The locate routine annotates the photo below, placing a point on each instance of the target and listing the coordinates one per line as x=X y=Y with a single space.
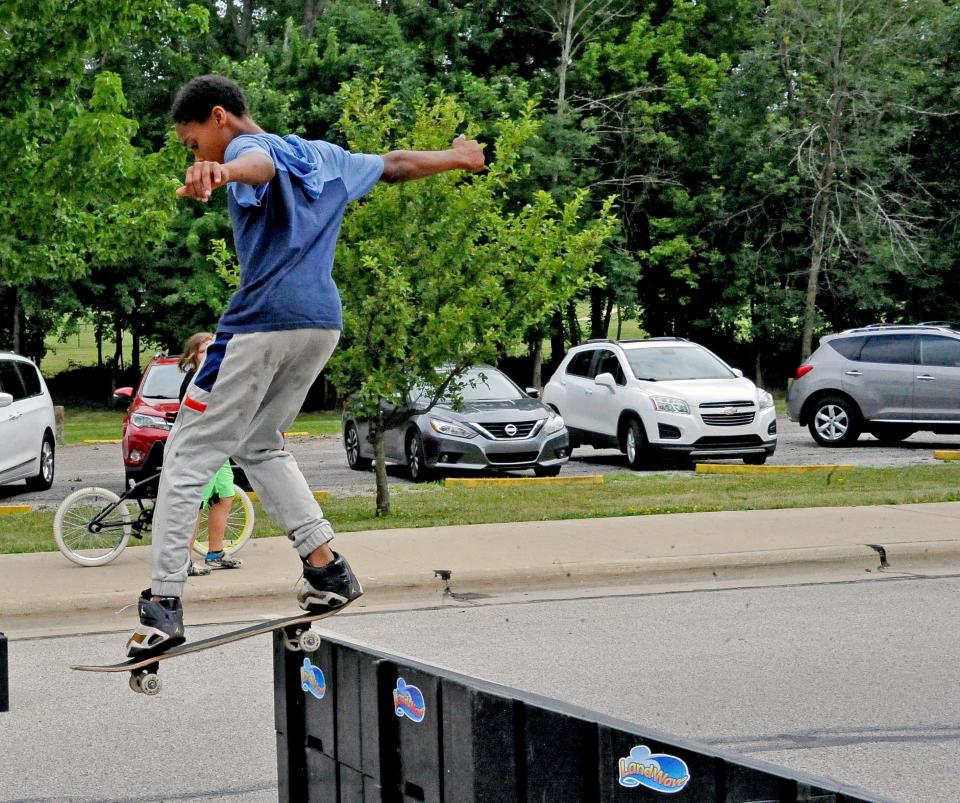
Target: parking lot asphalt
x=324 y=463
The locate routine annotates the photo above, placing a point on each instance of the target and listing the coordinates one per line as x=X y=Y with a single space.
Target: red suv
x=150 y=416
x=149 y=419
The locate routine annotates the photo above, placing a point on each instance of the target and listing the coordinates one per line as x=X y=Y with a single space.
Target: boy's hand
x=202 y=179
x=471 y=152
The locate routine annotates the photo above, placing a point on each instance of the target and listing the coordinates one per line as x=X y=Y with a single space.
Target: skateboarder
x=287 y=198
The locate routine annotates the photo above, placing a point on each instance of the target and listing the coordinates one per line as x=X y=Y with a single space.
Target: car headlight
x=670 y=404
x=446 y=428
x=554 y=424
x=153 y=421
x=766 y=400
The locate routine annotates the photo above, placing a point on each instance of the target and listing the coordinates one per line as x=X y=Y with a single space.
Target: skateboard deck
x=143 y=669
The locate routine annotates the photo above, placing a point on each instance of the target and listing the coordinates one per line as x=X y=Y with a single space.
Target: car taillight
x=803 y=370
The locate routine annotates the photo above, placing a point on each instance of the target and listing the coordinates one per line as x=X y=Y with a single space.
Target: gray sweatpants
x=247 y=392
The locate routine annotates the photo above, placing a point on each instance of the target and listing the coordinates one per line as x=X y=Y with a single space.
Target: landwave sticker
x=312 y=679
x=408 y=701
x=657 y=771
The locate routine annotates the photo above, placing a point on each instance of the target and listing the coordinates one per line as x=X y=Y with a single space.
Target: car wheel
x=351 y=442
x=417 y=459
x=546 y=471
x=835 y=421
x=44 y=478
x=891 y=435
x=755 y=459
x=634 y=444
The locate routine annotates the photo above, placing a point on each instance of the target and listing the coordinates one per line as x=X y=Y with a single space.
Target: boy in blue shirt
x=287 y=197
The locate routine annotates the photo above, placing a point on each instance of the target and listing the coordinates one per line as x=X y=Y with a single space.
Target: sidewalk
x=518 y=556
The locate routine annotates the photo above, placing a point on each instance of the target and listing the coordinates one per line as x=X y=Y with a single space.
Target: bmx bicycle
x=93 y=525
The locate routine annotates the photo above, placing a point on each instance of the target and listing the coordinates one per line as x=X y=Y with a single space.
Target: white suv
x=662 y=397
x=26 y=424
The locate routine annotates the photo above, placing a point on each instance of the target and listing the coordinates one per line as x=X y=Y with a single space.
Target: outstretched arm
x=253 y=167
x=464 y=154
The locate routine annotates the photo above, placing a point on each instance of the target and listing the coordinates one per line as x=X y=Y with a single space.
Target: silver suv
x=888 y=380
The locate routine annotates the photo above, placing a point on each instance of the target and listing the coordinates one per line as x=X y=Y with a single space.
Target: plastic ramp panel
x=657 y=771
x=312 y=680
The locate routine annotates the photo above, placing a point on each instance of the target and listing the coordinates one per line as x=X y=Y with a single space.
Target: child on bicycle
x=217 y=498
x=287 y=197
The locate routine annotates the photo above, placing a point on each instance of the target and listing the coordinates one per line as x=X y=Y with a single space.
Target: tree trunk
x=380 y=469
x=813 y=278
x=99 y=336
x=16 y=321
x=312 y=9
x=536 y=376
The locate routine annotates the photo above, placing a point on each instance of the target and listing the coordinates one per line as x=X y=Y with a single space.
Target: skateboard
x=143 y=669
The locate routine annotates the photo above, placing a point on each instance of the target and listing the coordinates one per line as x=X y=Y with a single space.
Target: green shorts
x=219 y=487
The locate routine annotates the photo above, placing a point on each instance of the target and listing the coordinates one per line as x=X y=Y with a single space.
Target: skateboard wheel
x=135 y=683
x=150 y=684
x=309 y=641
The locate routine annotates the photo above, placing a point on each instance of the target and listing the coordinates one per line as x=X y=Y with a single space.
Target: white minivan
x=26 y=424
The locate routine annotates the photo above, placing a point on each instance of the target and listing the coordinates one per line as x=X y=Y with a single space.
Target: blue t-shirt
x=286 y=232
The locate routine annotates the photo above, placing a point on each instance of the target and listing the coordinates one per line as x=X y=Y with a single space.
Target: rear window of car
x=162 y=381
x=936 y=350
x=849 y=347
x=580 y=364
x=890 y=349
x=10 y=381
x=31 y=378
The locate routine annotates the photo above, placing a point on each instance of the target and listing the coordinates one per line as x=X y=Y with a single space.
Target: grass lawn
x=621 y=494
x=80 y=424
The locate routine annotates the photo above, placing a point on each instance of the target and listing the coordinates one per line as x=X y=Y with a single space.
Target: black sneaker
x=161 y=626
x=328 y=588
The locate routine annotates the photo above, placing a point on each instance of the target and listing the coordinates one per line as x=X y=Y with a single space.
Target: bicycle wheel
x=239 y=525
x=86 y=545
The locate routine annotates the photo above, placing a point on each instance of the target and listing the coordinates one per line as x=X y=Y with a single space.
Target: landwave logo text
x=408 y=701
x=657 y=771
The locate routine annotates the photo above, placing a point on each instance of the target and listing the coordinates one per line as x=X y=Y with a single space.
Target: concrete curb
x=15 y=509
x=718 y=468
x=555 y=574
x=481 y=482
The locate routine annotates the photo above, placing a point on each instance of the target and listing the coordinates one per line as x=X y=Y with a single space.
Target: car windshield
x=663 y=363
x=479 y=384
x=163 y=381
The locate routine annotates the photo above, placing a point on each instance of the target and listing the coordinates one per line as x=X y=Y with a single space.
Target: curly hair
x=197 y=97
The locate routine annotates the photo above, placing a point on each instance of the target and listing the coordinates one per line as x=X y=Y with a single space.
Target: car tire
x=44 y=478
x=417 y=459
x=546 y=471
x=891 y=435
x=835 y=421
x=634 y=444
x=755 y=459
x=351 y=443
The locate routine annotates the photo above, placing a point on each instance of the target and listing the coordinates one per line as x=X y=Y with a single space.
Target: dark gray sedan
x=499 y=427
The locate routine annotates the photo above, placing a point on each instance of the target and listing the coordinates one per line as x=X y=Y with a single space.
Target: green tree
x=437 y=275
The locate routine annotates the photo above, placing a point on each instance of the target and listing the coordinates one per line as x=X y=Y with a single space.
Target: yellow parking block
x=100 y=441
x=15 y=509
x=479 y=482
x=316 y=495
x=720 y=468
x=947 y=454
x=294 y=434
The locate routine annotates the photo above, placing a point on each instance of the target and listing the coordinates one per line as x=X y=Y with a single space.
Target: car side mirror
x=6 y=399
x=122 y=396
x=606 y=380
x=533 y=393
x=737 y=372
